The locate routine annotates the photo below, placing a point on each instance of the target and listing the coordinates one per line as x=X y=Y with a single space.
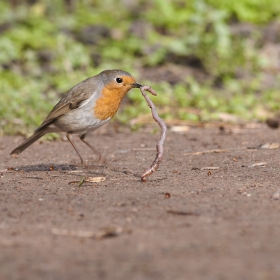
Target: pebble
x=276 y=195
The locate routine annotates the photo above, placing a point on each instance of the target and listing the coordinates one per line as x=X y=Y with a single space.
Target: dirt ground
x=206 y=215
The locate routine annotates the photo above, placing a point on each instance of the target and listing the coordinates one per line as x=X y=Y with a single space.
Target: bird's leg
x=82 y=137
x=69 y=137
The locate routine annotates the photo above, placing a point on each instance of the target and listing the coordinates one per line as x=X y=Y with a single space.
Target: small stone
x=276 y=195
x=167 y=195
x=273 y=123
x=270 y=146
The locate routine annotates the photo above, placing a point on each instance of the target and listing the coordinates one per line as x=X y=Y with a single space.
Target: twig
x=207 y=152
x=162 y=125
x=215 y=151
x=110 y=231
x=215 y=124
x=183 y=213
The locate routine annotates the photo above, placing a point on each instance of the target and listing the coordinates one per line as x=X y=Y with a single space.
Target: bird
x=84 y=108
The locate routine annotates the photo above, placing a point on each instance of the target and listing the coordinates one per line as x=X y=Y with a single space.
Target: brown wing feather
x=72 y=100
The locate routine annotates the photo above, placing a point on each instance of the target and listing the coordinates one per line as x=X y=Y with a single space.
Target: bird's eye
x=119 y=80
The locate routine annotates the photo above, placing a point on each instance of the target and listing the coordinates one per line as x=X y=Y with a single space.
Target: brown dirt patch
x=188 y=221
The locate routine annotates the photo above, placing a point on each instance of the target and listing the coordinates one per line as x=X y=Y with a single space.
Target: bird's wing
x=74 y=98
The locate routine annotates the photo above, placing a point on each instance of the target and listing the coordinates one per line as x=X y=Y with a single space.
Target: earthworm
x=161 y=140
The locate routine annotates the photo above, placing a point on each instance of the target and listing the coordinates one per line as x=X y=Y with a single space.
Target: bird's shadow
x=46 y=167
x=73 y=165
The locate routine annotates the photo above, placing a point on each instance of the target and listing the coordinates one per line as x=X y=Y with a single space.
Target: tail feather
x=28 y=142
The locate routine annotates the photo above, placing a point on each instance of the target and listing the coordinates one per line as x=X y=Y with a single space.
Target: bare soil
x=213 y=215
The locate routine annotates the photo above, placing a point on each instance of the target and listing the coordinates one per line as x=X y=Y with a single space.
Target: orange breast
x=109 y=102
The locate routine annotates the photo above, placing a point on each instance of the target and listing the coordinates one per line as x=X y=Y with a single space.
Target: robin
x=85 y=107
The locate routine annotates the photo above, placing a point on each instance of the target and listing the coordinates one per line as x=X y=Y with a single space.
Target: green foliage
x=254 y=11
x=48 y=47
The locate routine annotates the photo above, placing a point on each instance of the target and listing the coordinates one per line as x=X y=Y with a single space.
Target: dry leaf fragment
x=88 y=180
x=180 y=128
x=257 y=164
x=95 y=179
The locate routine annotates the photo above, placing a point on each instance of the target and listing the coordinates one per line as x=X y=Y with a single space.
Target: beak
x=135 y=85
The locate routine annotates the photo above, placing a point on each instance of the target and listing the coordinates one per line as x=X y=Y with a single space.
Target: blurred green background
x=207 y=59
